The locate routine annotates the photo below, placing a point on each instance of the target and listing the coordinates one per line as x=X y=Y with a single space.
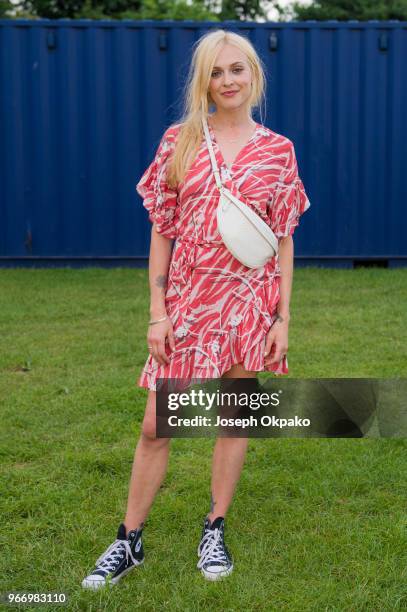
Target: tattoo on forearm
x=279 y=318
x=161 y=281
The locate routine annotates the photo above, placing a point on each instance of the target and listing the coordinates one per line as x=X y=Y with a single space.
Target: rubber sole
x=99 y=584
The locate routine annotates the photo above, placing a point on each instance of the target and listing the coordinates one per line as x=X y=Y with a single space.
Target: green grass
x=317 y=524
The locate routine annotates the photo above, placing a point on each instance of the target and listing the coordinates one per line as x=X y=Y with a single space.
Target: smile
x=229 y=93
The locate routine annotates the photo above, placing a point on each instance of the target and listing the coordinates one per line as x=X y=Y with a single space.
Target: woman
x=211 y=316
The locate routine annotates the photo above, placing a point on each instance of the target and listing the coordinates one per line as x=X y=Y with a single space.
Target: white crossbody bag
x=244 y=233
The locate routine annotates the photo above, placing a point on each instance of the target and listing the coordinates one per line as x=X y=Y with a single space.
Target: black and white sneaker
x=214 y=559
x=123 y=555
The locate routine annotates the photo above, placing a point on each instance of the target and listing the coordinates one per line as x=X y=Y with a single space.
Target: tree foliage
x=342 y=10
x=5 y=6
x=210 y=10
x=198 y=10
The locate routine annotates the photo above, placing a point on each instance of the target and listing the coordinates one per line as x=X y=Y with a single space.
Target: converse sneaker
x=214 y=559
x=123 y=555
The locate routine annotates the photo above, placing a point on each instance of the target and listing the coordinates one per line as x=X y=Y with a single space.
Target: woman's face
x=231 y=72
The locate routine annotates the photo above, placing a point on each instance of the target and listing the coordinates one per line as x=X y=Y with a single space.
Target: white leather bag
x=244 y=233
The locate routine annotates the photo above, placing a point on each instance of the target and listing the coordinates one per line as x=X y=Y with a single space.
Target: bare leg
x=149 y=468
x=228 y=459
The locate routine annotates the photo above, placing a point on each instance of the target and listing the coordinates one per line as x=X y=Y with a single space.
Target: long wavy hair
x=197 y=99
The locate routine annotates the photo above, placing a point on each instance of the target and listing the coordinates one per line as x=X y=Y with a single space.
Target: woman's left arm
x=278 y=334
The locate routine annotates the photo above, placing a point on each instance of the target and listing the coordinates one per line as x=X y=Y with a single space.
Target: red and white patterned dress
x=220 y=309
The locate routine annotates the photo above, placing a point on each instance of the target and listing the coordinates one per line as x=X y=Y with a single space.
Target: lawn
x=317 y=524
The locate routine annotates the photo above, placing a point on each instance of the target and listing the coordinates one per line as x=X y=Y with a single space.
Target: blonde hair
x=197 y=97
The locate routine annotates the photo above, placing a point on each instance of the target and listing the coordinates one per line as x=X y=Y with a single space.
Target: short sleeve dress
x=220 y=309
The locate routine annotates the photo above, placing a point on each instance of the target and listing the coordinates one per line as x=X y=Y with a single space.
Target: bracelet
x=158 y=320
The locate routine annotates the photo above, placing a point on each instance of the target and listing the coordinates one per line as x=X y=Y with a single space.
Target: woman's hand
x=156 y=338
x=277 y=340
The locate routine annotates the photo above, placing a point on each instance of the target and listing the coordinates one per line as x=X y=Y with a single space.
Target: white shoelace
x=108 y=560
x=210 y=548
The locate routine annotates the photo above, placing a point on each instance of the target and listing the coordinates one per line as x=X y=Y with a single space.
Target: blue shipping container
x=83 y=105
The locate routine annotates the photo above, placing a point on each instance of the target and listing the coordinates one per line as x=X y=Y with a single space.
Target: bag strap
x=212 y=154
x=262 y=227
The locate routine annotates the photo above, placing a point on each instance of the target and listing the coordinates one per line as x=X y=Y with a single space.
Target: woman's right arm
x=159 y=261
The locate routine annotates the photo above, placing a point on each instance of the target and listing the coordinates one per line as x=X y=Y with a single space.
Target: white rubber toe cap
x=93 y=582
x=216 y=572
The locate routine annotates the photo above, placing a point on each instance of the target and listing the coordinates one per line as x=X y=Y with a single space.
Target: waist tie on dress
x=186 y=259
x=200 y=241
